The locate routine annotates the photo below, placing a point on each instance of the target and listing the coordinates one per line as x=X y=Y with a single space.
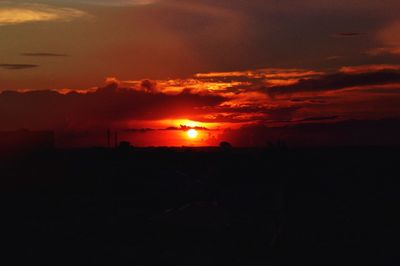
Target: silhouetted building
x=26 y=141
x=124 y=146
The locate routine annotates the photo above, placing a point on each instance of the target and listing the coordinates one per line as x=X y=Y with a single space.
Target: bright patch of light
x=192 y=133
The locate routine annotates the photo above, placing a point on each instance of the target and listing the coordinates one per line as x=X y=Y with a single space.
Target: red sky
x=236 y=70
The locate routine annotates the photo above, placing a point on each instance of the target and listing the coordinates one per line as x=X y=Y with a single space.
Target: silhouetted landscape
x=201 y=206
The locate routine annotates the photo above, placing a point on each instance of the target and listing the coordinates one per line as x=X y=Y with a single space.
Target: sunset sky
x=234 y=70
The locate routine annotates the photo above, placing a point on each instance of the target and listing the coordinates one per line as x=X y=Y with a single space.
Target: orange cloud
x=368 y=68
x=27 y=13
x=273 y=73
x=214 y=101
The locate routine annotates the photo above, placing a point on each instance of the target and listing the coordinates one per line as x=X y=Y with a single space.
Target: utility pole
x=108 y=138
x=116 y=139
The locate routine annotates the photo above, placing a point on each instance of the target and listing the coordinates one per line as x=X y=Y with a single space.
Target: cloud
x=271 y=73
x=347 y=34
x=180 y=128
x=44 y=54
x=283 y=95
x=394 y=50
x=368 y=68
x=389 y=38
x=17 y=66
x=334 y=57
x=106 y=106
x=148 y=85
x=111 y=3
x=317 y=118
x=349 y=77
x=343 y=133
x=139 y=130
x=246 y=114
x=185 y=128
x=28 y=13
x=367 y=91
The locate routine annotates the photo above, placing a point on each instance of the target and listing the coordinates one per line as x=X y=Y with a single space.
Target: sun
x=192 y=133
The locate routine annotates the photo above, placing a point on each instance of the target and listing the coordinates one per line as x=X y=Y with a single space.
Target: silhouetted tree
x=226 y=146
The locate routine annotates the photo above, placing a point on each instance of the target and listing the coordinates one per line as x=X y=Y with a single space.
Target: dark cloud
x=281 y=110
x=17 y=66
x=313 y=100
x=184 y=128
x=44 y=54
x=347 y=34
x=319 y=118
x=139 y=130
x=226 y=114
x=338 y=81
x=181 y=128
x=382 y=90
x=105 y=106
x=344 y=133
x=310 y=119
x=148 y=85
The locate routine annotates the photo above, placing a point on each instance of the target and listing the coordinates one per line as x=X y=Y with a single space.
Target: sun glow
x=192 y=133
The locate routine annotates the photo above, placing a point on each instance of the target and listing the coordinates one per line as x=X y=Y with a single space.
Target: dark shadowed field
x=335 y=206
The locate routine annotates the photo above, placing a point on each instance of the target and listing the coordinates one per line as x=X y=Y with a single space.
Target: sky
x=237 y=70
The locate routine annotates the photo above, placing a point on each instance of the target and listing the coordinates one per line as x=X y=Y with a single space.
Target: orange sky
x=151 y=70
x=160 y=112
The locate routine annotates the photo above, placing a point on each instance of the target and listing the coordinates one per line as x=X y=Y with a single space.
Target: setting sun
x=192 y=133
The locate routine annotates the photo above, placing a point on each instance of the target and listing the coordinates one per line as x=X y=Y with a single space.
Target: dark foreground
x=201 y=207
